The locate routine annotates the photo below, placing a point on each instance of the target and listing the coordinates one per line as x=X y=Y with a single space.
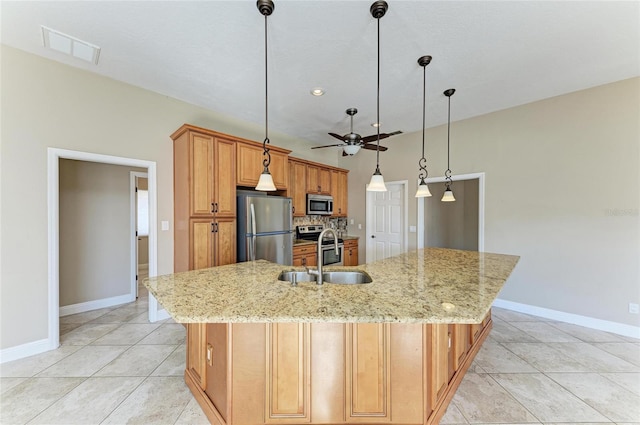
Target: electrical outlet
x=359 y=226
x=634 y=308
x=164 y=224
x=351 y=221
x=412 y=229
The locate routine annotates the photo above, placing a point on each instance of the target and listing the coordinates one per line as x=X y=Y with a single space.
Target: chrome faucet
x=318 y=271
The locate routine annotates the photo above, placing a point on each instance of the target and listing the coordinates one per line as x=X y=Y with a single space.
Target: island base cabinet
x=328 y=373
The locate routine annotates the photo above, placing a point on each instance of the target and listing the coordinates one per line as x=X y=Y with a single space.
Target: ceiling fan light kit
x=448 y=193
x=423 y=189
x=265 y=182
x=378 y=10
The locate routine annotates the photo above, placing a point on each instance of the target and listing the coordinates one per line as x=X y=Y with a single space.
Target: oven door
x=329 y=257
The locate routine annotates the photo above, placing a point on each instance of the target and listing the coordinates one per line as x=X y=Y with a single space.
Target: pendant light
x=265 y=183
x=376 y=184
x=448 y=193
x=423 y=189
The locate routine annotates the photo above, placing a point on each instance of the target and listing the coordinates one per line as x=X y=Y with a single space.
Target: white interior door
x=386 y=222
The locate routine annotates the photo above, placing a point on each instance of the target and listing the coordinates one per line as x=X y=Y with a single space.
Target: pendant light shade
x=448 y=193
x=423 y=189
x=265 y=183
x=448 y=196
x=376 y=184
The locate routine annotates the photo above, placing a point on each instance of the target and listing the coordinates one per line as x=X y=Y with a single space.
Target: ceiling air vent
x=70 y=45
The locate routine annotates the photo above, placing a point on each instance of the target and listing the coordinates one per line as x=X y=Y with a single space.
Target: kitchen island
x=260 y=350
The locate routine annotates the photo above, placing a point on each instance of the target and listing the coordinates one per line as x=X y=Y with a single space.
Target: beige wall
x=47 y=104
x=562 y=191
x=95 y=232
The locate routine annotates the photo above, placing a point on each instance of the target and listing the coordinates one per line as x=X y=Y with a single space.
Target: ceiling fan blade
x=327 y=146
x=373 y=147
x=374 y=137
x=337 y=136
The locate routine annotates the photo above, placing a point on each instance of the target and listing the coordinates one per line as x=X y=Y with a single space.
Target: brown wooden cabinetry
x=318 y=180
x=326 y=373
x=298 y=187
x=204 y=198
x=350 y=257
x=250 y=165
x=305 y=255
x=339 y=189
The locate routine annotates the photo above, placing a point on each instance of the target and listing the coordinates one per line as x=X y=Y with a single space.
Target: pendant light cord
x=266 y=153
x=447 y=173
x=378 y=104
x=423 y=161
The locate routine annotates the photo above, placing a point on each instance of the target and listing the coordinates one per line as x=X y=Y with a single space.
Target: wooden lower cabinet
x=328 y=373
x=305 y=255
x=350 y=252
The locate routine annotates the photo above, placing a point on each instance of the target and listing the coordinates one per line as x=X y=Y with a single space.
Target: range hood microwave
x=319 y=204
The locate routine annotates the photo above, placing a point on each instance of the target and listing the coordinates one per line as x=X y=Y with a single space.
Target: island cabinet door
x=288 y=373
x=437 y=347
x=367 y=390
x=461 y=344
x=196 y=353
x=217 y=367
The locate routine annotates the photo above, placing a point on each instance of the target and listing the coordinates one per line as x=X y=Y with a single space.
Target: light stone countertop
x=409 y=288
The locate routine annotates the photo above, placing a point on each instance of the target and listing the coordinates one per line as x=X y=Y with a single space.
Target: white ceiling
x=210 y=53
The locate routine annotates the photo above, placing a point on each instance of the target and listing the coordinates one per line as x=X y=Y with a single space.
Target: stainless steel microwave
x=319 y=204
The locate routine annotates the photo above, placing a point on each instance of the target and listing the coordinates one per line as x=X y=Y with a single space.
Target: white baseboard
x=95 y=305
x=25 y=350
x=575 y=319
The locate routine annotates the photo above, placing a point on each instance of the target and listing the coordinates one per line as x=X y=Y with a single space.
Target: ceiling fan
x=354 y=141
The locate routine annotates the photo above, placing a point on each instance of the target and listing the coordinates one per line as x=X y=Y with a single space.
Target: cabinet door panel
x=201 y=236
x=288 y=372
x=201 y=174
x=216 y=365
x=196 y=352
x=225 y=178
x=298 y=188
x=437 y=352
x=460 y=344
x=368 y=394
x=225 y=248
x=313 y=182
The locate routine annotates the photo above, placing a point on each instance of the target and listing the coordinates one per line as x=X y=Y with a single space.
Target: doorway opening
x=139 y=201
x=459 y=224
x=54 y=156
x=386 y=218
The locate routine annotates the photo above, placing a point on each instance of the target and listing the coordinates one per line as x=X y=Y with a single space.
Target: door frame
x=133 y=186
x=421 y=207
x=53 y=206
x=368 y=217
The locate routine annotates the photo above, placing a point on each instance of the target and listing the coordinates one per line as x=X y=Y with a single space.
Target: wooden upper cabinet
x=318 y=180
x=224 y=178
x=250 y=166
x=201 y=150
x=298 y=187
x=339 y=188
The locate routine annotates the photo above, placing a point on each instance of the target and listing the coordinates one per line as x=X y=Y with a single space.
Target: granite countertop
x=409 y=288
x=297 y=242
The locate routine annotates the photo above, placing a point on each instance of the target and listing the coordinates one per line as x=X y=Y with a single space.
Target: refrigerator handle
x=253 y=232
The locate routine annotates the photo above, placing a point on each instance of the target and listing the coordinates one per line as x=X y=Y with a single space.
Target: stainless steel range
x=329 y=257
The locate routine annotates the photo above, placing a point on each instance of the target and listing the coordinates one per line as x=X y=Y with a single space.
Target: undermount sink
x=338 y=277
x=287 y=276
x=346 y=277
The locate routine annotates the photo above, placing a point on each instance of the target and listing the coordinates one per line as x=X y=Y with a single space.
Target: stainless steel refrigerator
x=265 y=230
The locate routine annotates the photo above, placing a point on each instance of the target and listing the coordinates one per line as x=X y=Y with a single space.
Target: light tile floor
x=113 y=367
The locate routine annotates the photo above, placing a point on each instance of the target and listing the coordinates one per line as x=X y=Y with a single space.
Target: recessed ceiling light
x=69 y=45
x=317 y=91
x=375 y=124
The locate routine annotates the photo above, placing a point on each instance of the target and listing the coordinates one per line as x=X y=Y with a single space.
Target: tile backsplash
x=339 y=224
